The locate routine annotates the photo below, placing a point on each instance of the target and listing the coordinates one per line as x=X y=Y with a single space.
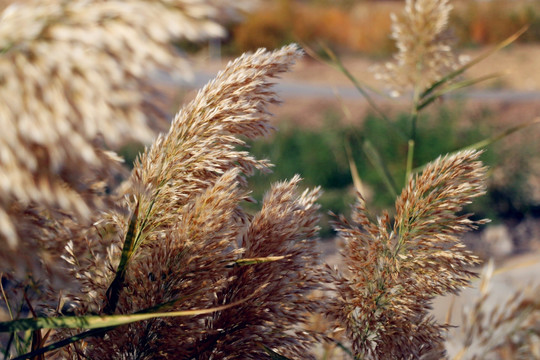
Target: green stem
x=412 y=137
x=410 y=155
x=336 y=62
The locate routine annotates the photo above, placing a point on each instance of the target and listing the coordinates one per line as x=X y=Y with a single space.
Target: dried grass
x=178 y=225
x=186 y=193
x=398 y=266
x=505 y=328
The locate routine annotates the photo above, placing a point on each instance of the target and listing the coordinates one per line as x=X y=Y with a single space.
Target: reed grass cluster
x=191 y=235
x=168 y=263
x=398 y=266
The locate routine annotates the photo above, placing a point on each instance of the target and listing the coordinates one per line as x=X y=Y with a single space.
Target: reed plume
x=398 y=266
x=424 y=47
x=195 y=247
x=75 y=84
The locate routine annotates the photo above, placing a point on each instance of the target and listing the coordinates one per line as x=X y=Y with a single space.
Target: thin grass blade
x=410 y=160
x=37 y=339
x=486 y=142
x=64 y=342
x=253 y=261
x=98 y=325
x=274 y=355
x=502 y=135
x=113 y=292
x=347 y=350
x=473 y=62
x=377 y=161
x=99 y=321
x=336 y=63
x=453 y=87
x=354 y=170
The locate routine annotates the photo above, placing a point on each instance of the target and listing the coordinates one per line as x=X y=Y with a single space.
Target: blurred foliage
x=481 y=23
x=363 y=26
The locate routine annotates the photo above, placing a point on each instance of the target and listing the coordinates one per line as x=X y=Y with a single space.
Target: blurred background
x=322 y=111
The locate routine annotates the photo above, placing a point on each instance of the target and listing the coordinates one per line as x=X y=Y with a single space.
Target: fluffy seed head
x=424 y=47
x=397 y=267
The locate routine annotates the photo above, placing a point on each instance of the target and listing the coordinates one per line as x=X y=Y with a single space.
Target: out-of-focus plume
x=424 y=47
x=76 y=82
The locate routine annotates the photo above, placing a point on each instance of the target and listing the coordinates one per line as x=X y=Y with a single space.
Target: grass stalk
x=101 y=321
x=377 y=161
x=336 y=63
x=113 y=292
x=473 y=62
x=410 y=156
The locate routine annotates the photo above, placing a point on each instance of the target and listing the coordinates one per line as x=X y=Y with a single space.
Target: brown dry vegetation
x=175 y=236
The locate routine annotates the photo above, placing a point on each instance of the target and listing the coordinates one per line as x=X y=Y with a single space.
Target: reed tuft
x=398 y=266
x=424 y=47
x=195 y=247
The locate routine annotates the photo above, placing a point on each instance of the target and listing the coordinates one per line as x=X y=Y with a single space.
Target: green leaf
x=98 y=321
x=410 y=159
x=98 y=324
x=473 y=62
x=113 y=292
x=459 y=85
x=377 y=161
x=62 y=343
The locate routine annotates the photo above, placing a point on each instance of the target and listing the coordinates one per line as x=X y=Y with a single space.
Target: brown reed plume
x=398 y=266
x=195 y=247
x=74 y=85
x=424 y=47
